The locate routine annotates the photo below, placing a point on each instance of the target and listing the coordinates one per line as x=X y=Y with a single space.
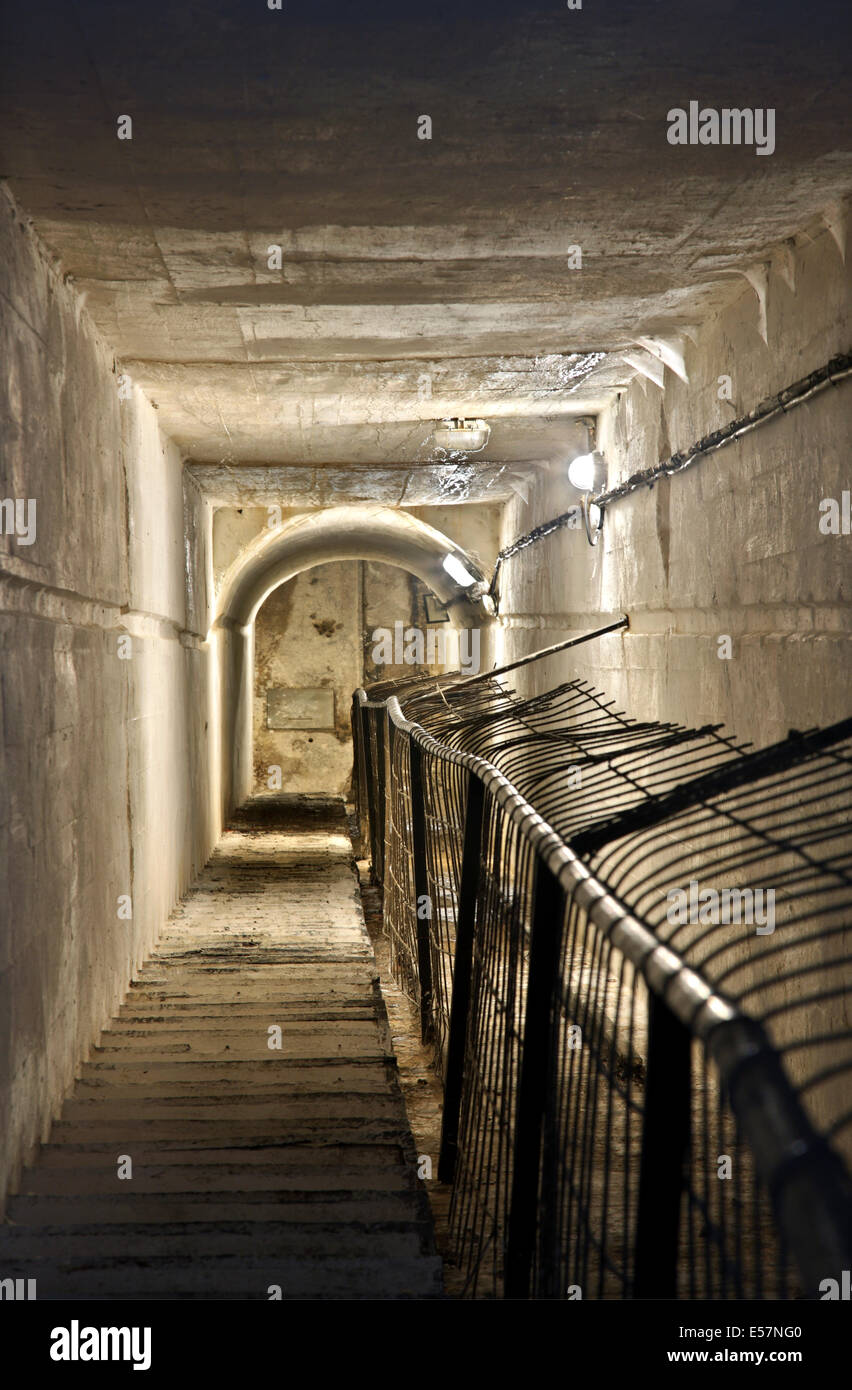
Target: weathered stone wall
x=317 y=631
x=108 y=768
x=731 y=546
x=307 y=635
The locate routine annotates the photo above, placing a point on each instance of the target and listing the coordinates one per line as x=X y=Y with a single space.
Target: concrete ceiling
x=419 y=278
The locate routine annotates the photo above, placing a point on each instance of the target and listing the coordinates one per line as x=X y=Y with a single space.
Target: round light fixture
x=587 y=472
x=460 y=436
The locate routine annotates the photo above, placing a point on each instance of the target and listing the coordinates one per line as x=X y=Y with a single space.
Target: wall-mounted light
x=587 y=472
x=460 y=436
x=456 y=570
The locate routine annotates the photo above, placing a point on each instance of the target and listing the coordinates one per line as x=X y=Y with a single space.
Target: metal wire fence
x=630 y=947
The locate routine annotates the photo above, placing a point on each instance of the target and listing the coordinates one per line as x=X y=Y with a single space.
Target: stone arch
x=344 y=533
x=336 y=533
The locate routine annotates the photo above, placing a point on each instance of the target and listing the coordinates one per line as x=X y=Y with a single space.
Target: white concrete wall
x=108 y=770
x=731 y=546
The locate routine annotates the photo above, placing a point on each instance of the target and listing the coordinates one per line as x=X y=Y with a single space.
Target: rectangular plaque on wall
x=288 y=708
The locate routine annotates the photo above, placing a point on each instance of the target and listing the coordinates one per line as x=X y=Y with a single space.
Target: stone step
x=302 y=1010
x=281 y=1156
x=188 y=1178
x=177 y=1030
x=368 y=1209
x=133 y=1087
x=225 y=1132
x=119 y=1113
x=294 y=973
x=235 y=1278
x=245 y=1047
x=30 y=1248
x=201 y=1069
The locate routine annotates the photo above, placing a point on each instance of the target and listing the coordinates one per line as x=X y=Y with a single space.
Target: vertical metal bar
x=545 y=938
x=380 y=794
x=665 y=1143
x=390 y=790
x=421 y=906
x=369 y=787
x=462 y=970
x=359 y=775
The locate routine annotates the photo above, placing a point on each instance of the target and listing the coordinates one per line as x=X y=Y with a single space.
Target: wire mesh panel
x=593 y=1120
x=730 y=1244
x=568 y=752
x=630 y=944
x=445 y=786
x=492 y=1054
x=747 y=875
x=400 y=897
x=607 y=1149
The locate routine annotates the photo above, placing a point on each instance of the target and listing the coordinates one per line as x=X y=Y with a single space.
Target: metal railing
x=646 y=1094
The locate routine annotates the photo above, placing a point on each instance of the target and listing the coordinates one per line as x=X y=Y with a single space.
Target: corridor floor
x=252 y=1166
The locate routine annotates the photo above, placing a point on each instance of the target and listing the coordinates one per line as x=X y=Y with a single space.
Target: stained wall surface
x=330 y=629
x=308 y=636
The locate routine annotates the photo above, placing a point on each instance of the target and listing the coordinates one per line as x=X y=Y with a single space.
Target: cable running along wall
x=645 y=1066
x=836 y=370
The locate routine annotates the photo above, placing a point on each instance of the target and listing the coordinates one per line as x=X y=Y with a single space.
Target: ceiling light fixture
x=459 y=436
x=456 y=570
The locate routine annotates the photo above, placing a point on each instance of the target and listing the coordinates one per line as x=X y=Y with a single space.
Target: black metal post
x=369 y=787
x=380 y=792
x=545 y=939
x=421 y=889
x=665 y=1144
x=462 y=968
x=359 y=779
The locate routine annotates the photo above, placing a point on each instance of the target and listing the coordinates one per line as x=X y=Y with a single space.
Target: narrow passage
x=253 y=1166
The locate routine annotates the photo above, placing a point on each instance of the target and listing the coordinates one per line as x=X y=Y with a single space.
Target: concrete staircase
x=252 y=1167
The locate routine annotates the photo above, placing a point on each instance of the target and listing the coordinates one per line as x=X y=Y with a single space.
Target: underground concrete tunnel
x=425 y=682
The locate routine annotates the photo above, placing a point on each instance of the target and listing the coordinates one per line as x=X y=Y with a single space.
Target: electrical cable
x=838 y=369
